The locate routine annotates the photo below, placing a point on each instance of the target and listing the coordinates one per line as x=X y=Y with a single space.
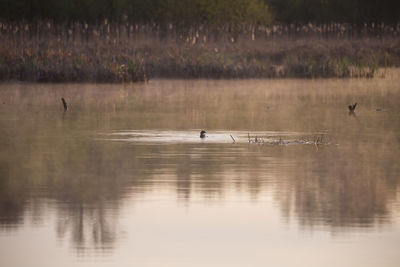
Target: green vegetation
x=189 y=13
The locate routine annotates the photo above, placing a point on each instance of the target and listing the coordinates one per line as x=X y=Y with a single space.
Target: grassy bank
x=60 y=56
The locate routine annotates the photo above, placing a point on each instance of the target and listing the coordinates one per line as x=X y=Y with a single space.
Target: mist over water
x=122 y=178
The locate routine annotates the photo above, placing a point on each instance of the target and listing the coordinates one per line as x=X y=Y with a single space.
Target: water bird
x=64 y=104
x=203 y=134
x=352 y=107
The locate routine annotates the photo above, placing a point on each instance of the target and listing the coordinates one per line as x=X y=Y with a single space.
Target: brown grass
x=60 y=53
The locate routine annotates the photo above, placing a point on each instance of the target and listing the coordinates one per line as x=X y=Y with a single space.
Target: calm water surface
x=123 y=179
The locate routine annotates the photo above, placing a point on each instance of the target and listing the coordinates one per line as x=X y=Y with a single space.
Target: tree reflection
x=340 y=189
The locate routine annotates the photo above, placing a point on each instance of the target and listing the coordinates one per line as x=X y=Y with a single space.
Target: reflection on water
x=180 y=137
x=69 y=175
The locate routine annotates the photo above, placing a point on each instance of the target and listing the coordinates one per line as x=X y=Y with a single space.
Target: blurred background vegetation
x=183 y=13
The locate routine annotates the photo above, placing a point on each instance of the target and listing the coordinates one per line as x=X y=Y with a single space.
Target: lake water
x=123 y=179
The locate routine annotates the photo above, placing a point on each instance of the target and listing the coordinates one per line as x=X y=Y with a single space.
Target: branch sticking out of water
x=64 y=104
x=233 y=138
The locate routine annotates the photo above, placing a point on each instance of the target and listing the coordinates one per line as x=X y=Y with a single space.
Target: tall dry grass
x=127 y=53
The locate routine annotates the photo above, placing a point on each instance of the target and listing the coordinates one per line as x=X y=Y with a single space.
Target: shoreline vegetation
x=117 y=52
x=136 y=40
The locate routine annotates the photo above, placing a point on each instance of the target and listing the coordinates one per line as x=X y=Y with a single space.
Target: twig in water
x=317 y=142
x=233 y=138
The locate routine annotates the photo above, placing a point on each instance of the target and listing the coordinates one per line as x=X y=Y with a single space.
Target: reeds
x=78 y=52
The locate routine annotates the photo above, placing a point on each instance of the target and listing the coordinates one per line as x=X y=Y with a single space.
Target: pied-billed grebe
x=203 y=134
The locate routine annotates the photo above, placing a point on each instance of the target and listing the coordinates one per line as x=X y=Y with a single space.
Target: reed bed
x=81 y=52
